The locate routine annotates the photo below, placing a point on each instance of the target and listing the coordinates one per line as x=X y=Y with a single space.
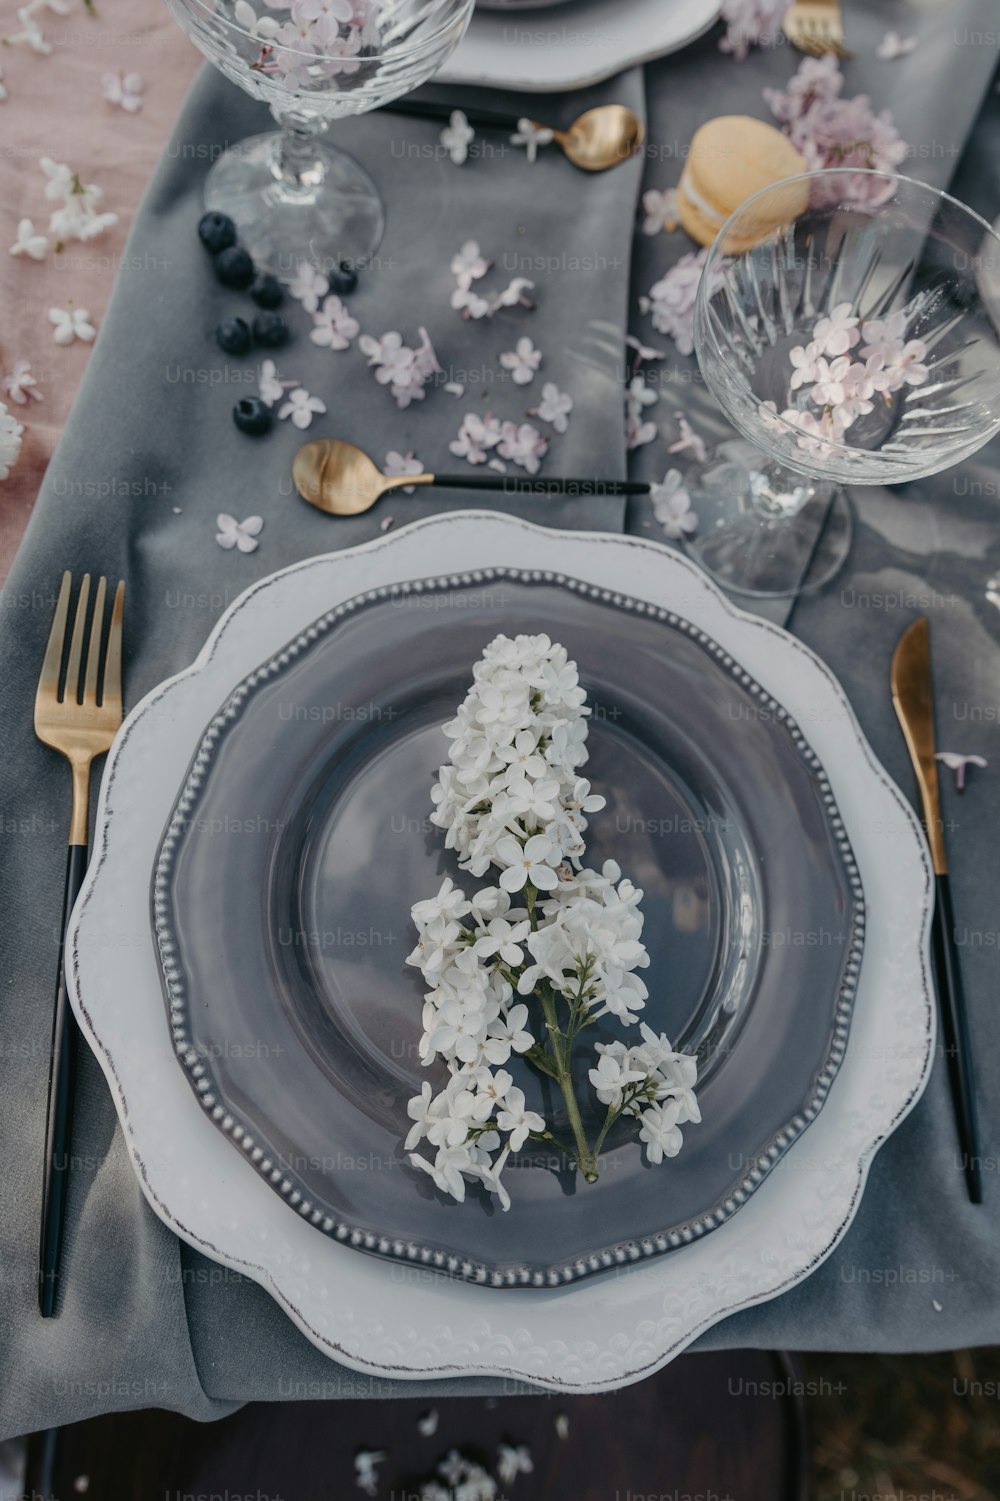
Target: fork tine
x=48 y=679
x=112 y=693
x=76 y=643
x=94 y=650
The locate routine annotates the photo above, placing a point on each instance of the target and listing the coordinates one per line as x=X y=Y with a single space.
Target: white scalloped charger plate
x=560 y=47
x=412 y=1322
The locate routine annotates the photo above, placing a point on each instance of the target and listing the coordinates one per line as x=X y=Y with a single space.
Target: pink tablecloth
x=54 y=108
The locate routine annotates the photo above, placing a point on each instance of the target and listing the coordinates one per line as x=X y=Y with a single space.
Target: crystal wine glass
x=852 y=343
x=294 y=196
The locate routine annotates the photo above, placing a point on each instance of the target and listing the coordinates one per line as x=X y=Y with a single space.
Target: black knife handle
x=956 y=1037
x=59 y=1118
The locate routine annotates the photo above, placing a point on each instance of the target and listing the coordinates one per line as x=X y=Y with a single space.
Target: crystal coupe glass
x=851 y=344
x=294 y=196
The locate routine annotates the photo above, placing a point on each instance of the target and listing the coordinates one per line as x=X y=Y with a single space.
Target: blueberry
x=343 y=279
x=216 y=232
x=252 y=416
x=270 y=330
x=234 y=268
x=267 y=291
x=233 y=335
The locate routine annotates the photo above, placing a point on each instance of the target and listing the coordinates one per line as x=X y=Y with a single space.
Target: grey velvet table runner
x=150 y=456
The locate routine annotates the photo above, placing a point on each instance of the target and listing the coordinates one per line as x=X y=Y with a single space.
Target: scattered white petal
x=123 y=89
x=457 y=137
x=28 y=242
x=70 y=324
x=522 y=361
x=512 y=1462
x=20 y=383
x=399 y=463
x=672 y=506
x=554 y=407
x=427 y=1423
x=455 y=388
x=936 y=1305
x=660 y=210
x=689 y=441
x=531 y=136
x=895 y=45
x=364 y=1469
x=271 y=387
x=561 y=1421
x=239 y=534
x=386 y=523
x=301 y=407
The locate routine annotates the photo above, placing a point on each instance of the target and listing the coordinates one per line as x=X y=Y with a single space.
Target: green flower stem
x=586 y=1159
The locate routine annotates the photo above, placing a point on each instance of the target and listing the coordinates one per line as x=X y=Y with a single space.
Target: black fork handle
x=59 y=1115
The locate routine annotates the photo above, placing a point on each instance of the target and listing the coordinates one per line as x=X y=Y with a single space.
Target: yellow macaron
x=730 y=159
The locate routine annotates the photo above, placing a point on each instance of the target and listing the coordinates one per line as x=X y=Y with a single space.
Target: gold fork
x=81 y=725
x=816 y=27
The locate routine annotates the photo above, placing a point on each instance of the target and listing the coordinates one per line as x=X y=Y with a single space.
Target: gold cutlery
x=339 y=479
x=597 y=140
x=913 y=700
x=80 y=722
x=816 y=27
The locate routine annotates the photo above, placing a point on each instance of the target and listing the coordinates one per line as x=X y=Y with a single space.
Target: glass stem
x=777 y=492
x=299 y=162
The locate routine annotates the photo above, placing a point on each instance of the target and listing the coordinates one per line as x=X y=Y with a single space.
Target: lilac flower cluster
x=833 y=132
x=318 y=39
x=671 y=301
x=520 y=443
x=404 y=370
x=844 y=368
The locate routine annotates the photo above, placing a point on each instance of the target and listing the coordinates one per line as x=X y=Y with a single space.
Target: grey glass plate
x=301 y=838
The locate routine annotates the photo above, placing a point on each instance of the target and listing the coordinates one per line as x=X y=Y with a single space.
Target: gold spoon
x=598 y=139
x=339 y=479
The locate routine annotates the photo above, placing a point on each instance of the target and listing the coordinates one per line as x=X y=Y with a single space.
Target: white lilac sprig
x=751 y=23
x=521 y=968
x=406 y=371
x=671 y=300
x=834 y=132
x=77 y=216
x=848 y=365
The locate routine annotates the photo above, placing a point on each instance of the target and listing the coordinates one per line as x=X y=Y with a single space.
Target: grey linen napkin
x=148 y=459
x=150 y=455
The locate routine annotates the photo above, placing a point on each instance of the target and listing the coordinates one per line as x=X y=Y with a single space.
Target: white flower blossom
x=522 y=361
x=239 y=534
x=512 y=799
x=554 y=407
x=531 y=136
x=70 y=324
x=301 y=407
x=457 y=137
x=124 y=90
x=28 y=242
x=672 y=505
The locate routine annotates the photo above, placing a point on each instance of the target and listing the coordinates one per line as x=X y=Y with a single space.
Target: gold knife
x=913 y=700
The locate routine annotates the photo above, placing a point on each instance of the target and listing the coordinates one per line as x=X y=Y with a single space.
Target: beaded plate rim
x=286 y=1184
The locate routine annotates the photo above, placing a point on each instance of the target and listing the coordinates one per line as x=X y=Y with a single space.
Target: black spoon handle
x=426 y=109
x=511 y=485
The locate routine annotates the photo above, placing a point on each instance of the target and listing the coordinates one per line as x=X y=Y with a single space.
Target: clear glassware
x=908 y=381
x=293 y=195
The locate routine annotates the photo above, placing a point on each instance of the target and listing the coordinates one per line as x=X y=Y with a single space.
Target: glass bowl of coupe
x=292 y=194
x=841 y=326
